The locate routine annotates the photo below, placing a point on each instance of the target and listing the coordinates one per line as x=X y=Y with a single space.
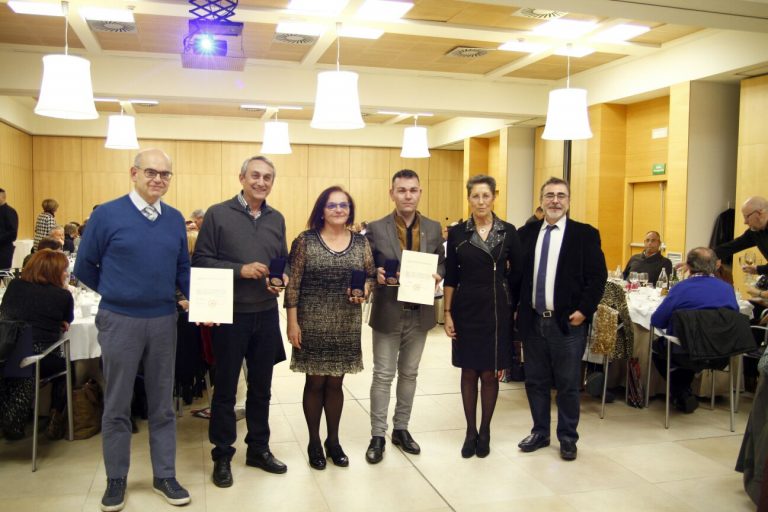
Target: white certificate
x=416 y=282
x=211 y=295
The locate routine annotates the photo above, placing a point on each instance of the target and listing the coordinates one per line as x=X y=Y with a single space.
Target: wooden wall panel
x=446 y=187
x=198 y=158
x=328 y=162
x=369 y=163
x=642 y=150
x=66 y=188
x=677 y=167
x=371 y=198
x=100 y=187
x=57 y=154
x=168 y=146
x=289 y=196
x=98 y=159
x=16 y=176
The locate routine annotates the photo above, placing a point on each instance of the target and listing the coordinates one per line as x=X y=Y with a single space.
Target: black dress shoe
x=316 y=457
x=567 y=450
x=222 y=473
x=403 y=439
x=533 y=442
x=469 y=447
x=483 y=447
x=375 y=451
x=336 y=454
x=267 y=462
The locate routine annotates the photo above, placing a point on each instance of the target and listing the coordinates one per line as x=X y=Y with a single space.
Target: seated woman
x=39 y=298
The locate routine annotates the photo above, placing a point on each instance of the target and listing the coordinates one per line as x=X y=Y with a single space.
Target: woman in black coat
x=483 y=270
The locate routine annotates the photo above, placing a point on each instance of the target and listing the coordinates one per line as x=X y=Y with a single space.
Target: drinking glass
x=643 y=278
x=749 y=258
x=633 y=280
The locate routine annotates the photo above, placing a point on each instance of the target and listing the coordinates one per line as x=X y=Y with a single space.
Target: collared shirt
x=402 y=232
x=140 y=203
x=555 y=243
x=248 y=210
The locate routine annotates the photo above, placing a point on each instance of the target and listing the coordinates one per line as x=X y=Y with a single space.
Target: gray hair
x=701 y=260
x=259 y=158
x=198 y=213
x=481 y=179
x=554 y=181
x=137 y=160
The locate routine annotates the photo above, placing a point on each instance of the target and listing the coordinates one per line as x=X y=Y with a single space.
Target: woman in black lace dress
x=324 y=319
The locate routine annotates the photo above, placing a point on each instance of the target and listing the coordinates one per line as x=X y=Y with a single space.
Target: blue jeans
x=552 y=357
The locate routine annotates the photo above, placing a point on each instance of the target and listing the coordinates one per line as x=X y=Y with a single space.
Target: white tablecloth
x=83 y=335
x=643 y=302
x=23 y=247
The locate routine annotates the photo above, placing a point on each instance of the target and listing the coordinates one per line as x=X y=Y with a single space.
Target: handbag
x=87 y=408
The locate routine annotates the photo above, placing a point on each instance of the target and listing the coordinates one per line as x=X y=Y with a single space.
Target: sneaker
x=171 y=490
x=114 y=497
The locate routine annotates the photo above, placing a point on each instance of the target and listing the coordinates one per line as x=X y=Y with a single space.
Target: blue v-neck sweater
x=134 y=264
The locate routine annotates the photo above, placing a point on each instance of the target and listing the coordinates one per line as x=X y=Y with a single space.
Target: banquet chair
x=601 y=342
x=24 y=363
x=756 y=354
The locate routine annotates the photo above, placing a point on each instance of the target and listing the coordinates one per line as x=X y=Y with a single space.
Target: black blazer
x=580 y=278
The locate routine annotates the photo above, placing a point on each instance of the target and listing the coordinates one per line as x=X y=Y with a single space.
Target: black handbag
x=10 y=332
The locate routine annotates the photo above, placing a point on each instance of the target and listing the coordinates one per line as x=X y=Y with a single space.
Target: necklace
x=483 y=229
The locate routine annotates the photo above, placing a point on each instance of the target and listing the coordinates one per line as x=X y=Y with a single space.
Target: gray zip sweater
x=231 y=238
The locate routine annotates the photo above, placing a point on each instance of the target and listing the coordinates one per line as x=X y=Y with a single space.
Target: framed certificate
x=211 y=295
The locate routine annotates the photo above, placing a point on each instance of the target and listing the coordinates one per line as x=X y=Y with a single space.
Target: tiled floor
x=627 y=461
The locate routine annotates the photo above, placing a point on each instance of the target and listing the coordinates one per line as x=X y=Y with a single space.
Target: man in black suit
x=9 y=227
x=564 y=276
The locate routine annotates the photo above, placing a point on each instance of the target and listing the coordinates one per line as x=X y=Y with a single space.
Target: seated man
x=702 y=290
x=650 y=260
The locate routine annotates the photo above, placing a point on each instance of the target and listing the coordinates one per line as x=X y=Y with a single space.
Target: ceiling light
x=574 y=51
x=105 y=14
x=415 y=141
x=383 y=10
x=337 y=104
x=276 y=141
x=521 y=45
x=121 y=132
x=564 y=29
x=144 y=103
x=66 y=91
x=248 y=106
x=37 y=8
x=361 y=32
x=328 y=7
x=107 y=100
x=289 y=107
x=296 y=27
x=620 y=33
x=567 y=115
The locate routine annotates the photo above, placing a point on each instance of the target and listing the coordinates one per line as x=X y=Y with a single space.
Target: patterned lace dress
x=330 y=324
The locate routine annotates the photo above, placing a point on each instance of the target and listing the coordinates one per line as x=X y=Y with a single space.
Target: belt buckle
x=546 y=314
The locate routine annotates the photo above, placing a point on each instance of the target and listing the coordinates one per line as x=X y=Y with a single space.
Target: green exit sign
x=659 y=168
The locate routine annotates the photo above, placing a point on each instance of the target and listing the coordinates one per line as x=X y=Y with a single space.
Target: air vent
x=298 y=39
x=539 y=14
x=467 y=52
x=112 y=26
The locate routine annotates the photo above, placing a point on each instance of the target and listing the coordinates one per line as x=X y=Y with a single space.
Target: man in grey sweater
x=244 y=234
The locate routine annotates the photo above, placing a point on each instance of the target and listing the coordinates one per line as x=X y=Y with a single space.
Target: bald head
x=702 y=260
x=755 y=213
x=142 y=156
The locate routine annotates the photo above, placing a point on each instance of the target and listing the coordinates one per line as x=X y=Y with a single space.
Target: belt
x=411 y=307
x=544 y=314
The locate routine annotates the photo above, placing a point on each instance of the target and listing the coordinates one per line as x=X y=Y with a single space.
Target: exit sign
x=659 y=168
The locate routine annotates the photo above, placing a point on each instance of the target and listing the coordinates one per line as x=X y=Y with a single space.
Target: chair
x=752 y=355
x=699 y=323
x=602 y=343
x=20 y=365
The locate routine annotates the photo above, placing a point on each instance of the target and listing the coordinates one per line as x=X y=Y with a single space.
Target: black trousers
x=255 y=337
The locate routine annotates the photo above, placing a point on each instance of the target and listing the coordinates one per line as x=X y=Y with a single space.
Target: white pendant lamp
x=337 y=104
x=567 y=116
x=66 y=91
x=276 y=141
x=121 y=132
x=415 y=141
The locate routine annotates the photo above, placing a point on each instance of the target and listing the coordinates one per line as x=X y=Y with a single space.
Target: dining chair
x=24 y=363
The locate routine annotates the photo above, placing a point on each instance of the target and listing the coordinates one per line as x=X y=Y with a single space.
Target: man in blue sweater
x=702 y=290
x=134 y=253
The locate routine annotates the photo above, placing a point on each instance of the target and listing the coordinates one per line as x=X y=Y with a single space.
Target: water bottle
x=663 y=282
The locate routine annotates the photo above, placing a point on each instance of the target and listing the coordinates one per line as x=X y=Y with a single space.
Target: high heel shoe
x=316 y=457
x=483 y=445
x=336 y=454
x=469 y=447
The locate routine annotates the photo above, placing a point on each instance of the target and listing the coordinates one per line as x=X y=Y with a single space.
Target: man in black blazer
x=9 y=228
x=564 y=276
x=399 y=328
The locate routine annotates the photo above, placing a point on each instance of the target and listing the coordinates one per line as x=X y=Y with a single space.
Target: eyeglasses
x=560 y=197
x=152 y=174
x=333 y=206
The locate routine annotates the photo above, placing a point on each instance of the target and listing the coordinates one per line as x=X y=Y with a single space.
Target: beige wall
x=80 y=173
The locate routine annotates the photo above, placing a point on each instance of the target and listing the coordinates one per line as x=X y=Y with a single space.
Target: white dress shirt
x=555 y=243
x=140 y=203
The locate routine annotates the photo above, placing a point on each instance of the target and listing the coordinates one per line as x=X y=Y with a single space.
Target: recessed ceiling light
x=289 y=107
x=248 y=106
x=360 y=32
x=574 y=51
x=296 y=27
x=383 y=10
x=521 y=45
x=105 y=14
x=564 y=29
x=37 y=8
x=620 y=33
x=395 y=113
x=144 y=103
x=329 y=7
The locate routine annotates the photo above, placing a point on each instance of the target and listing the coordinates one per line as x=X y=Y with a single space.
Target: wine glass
x=643 y=278
x=749 y=258
x=633 y=280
